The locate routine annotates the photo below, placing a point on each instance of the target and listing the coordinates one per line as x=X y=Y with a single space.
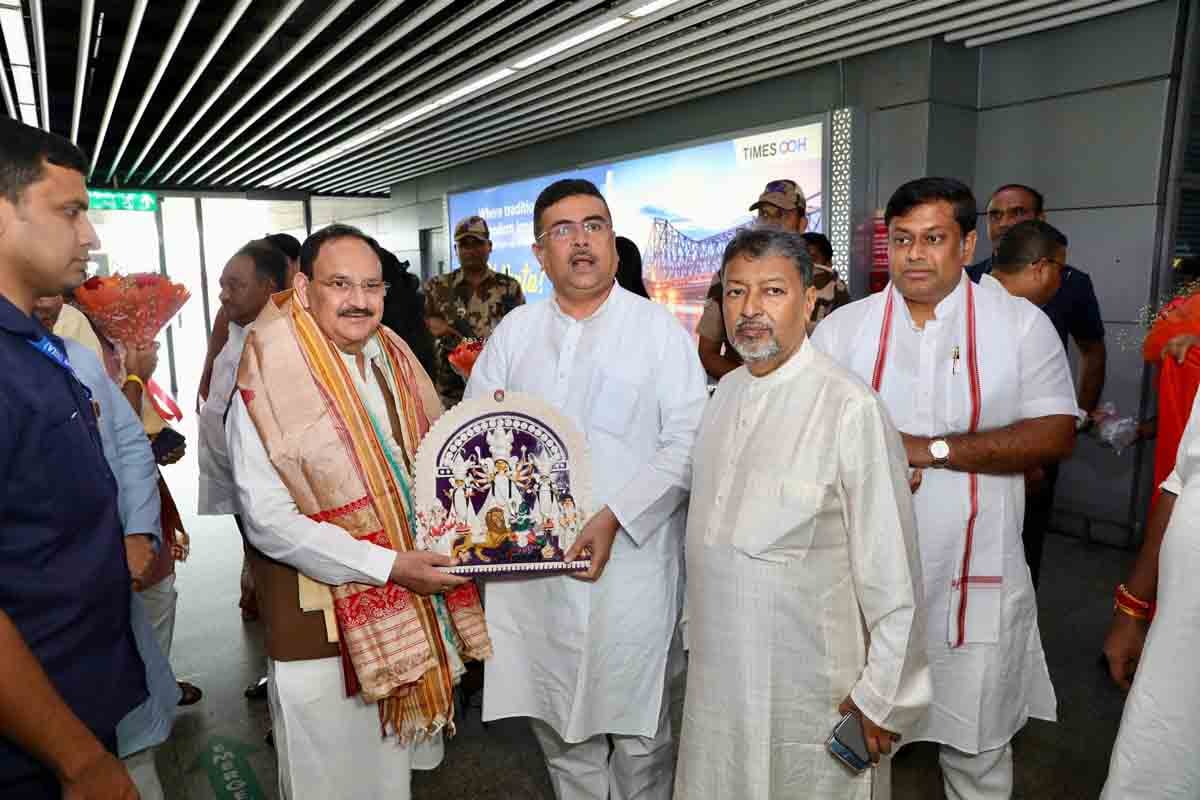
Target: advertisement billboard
x=681 y=208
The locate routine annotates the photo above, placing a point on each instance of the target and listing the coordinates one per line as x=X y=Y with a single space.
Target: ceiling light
x=487 y=80
x=29 y=114
x=23 y=78
x=12 y=24
x=567 y=44
x=650 y=8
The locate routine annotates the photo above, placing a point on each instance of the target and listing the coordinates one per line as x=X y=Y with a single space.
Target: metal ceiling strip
x=185 y=17
x=1057 y=22
x=643 y=51
x=1013 y=20
x=267 y=34
x=131 y=34
x=231 y=19
x=315 y=29
x=835 y=51
x=39 y=56
x=370 y=103
x=87 y=11
x=396 y=34
x=763 y=47
x=332 y=143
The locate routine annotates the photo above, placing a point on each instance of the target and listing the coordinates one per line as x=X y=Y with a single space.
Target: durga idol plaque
x=502 y=486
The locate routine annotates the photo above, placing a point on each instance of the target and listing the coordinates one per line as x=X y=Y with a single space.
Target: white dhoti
x=979 y=776
x=330 y=745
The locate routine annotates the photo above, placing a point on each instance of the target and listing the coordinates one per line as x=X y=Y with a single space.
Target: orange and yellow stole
x=324 y=446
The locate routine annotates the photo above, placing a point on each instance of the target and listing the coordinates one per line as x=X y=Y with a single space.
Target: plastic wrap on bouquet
x=503 y=486
x=131 y=309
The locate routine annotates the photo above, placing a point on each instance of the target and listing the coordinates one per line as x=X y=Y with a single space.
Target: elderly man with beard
x=804 y=577
x=322 y=434
x=588 y=660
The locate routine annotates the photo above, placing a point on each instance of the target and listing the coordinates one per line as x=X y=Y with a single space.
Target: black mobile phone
x=848 y=744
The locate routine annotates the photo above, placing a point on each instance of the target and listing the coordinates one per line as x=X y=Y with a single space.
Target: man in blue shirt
x=69 y=668
x=1073 y=309
x=1075 y=312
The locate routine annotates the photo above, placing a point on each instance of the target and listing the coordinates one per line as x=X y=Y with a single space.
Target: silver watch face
x=939 y=449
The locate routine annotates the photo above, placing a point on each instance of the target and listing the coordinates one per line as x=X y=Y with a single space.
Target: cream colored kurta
x=804 y=584
x=1154 y=755
x=986 y=689
x=218 y=494
x=591 y=658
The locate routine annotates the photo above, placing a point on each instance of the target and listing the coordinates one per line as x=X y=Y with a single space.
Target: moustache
x=753 y=324
x=356 y=312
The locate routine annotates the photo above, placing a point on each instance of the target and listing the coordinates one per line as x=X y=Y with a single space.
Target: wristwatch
x=939 y=450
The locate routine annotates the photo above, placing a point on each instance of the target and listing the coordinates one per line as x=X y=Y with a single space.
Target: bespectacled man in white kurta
x=803 y=569
x=978 y=382
x=588 y=660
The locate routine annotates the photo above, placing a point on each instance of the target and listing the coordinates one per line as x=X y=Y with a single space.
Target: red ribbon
x=163 y=403
x=885 y=335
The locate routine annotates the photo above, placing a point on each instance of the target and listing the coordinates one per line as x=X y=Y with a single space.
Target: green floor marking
x=229 y=771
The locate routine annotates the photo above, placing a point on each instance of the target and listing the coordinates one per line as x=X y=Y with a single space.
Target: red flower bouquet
x=131 y=309
x=463 y=357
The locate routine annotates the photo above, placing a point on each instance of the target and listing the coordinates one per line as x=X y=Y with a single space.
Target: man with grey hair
x=804 y=576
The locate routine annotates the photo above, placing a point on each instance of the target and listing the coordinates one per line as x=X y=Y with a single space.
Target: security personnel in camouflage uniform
x=781 y=205
x=468 y=302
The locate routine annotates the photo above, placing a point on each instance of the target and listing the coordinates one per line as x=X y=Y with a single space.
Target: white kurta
x=591 y=658
x=986 y=689
x=217 y=490
x=804 y=581
x=1154 y=755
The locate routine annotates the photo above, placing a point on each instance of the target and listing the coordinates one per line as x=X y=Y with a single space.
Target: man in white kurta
x=588 y=660
x=1154 y=755
x=802 y=559
x=978 y=383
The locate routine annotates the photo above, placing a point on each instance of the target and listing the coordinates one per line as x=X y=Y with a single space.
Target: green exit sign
x=101 y=200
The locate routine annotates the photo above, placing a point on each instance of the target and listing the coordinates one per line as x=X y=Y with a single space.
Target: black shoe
x=257 y=690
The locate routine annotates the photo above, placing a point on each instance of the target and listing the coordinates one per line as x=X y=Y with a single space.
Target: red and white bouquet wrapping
x=131 y=309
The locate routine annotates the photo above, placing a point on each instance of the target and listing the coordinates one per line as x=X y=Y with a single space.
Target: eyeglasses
x=569 y=230
x=345 y=286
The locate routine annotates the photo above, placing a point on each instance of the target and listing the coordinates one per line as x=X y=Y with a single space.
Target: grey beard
x=752 y=354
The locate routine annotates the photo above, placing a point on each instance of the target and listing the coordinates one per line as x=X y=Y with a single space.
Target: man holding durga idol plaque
x=586 y=656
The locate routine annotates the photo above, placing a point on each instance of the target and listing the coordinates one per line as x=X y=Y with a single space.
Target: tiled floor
x=215 y=650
